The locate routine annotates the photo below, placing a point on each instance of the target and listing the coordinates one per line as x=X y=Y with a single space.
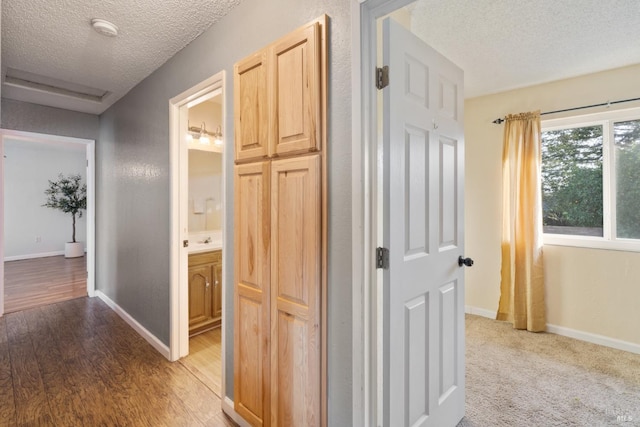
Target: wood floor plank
x=7 y=402
x=31 y=404
x=86 y=364
x=151 y=373
x=59 y=382
x=78 y=363
x=205 y=359
x=40 y=281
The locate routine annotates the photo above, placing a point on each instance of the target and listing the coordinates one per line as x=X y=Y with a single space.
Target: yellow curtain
x=522 y=276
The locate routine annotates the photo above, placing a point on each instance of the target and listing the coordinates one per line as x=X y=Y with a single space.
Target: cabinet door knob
x=208 y=284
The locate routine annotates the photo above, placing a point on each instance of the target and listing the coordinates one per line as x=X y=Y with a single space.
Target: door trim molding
x=90 y=145
x=178 y=163
x=364 y=213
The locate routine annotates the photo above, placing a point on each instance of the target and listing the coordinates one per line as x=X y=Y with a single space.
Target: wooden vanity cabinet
x=205 y=291
x=217 y=290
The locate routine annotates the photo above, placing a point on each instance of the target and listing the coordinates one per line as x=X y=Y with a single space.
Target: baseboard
x=32 y=256
x=227 y=408
x=480 y=311
x=594 y=338
x=148 y=336
x=568 y=332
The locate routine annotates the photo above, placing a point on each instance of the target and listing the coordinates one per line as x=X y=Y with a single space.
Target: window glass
x=626 y=136
x=572 y=196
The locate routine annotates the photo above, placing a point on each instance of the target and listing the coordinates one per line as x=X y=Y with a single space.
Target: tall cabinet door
x=251 y=314
x=295 y=291
x=295 y=91
x=251 y=118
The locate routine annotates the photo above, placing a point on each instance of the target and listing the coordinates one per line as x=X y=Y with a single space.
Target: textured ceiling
x=500 y=44
x=506 y=44
x=54 y=38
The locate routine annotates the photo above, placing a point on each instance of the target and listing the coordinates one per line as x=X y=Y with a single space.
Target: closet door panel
x=251 y=296
x=295 y=291
x=251 y=115
x=295 y=91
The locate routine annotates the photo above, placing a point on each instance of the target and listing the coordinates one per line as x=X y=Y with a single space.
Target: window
x=591 y=180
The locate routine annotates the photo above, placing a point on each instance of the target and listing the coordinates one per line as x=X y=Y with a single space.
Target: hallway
x=78 y=363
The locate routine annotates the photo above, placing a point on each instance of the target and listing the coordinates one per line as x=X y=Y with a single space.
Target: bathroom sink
x=197 y=247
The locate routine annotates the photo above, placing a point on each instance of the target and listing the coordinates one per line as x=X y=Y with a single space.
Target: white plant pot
x=73 y=250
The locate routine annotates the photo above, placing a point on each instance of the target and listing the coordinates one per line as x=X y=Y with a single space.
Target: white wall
x=209 y=112
x=27 y=167
x=589 y=291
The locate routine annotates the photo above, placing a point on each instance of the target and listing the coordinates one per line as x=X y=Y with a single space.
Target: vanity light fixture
x=202 y=135
x=217 y=137
x=204 y=139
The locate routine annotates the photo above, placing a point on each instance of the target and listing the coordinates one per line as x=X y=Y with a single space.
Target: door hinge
x=382 y=77
x=382 y=258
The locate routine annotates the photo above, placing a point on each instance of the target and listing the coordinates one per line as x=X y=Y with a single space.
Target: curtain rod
x=500 y=120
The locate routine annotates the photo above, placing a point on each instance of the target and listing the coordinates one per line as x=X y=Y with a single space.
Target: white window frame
x=608 y=240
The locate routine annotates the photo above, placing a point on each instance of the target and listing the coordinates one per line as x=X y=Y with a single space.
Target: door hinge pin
x=382 y=77
x=382 y=258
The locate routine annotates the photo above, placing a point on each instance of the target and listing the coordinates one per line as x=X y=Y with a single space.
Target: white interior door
x=423 y=309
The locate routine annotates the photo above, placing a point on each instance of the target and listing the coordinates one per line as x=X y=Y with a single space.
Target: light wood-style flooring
x=35 y=282
x=205 y=360
x=78 y=363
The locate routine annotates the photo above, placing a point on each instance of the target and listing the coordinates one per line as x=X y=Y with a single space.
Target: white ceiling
x=501 y=44
x=54 y=38
x=507 y=44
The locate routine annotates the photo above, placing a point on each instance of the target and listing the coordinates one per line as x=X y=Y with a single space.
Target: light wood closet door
x=295 y=91
x=295 y=291
x=251 y=322
x=251 y=109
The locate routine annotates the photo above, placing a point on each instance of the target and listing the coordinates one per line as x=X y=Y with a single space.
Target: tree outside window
x=591 y=179
x=572 y=181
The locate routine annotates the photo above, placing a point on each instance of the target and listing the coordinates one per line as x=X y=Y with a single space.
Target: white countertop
x=197 y=245
x=196 y=248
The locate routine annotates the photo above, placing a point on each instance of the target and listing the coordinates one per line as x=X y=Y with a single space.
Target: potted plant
x=68 y=195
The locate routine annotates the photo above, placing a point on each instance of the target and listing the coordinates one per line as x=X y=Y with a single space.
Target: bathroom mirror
x=205 y=166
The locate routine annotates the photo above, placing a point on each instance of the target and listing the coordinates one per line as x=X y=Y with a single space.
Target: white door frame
x=365 y=198
x=179 y=296
x=91 y=199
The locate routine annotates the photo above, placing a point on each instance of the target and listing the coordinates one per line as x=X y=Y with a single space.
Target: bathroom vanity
x=205 y=290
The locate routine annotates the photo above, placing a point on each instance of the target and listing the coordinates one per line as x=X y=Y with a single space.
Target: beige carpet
x=518 y=378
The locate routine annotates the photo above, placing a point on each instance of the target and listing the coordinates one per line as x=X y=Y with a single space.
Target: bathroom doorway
x=198 y=194
x=205 y=213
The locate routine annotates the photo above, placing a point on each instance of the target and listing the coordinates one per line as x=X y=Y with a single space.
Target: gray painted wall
x=133 y=177
x=24 y=116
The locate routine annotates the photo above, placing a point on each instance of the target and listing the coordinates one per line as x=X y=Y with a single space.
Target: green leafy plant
x=68 y=195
